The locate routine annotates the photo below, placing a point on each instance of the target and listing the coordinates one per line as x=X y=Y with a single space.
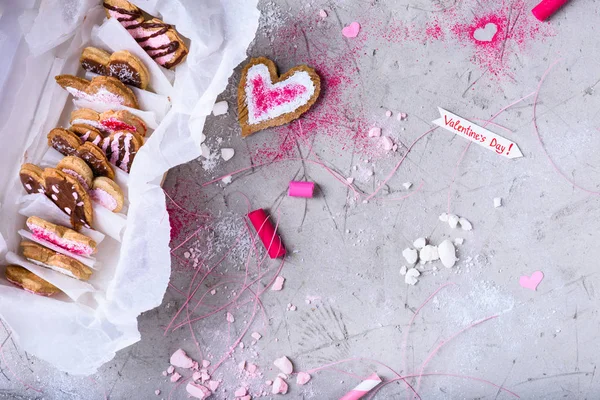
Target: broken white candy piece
x=403 y=270
x=230 y=317
x=197 y=375
x=465 y=224
x=388 y=113
x=497 y=202
x=213 y=385
x=374 y=132
x=157 y=392
x=322 y=13
x=197 y=391
x=447 y=253
x=407 y=185
x=459 y=241
x=204 y=151
x=226 y=180
x=205 y=363
x=302 y=378
x=282 y=375
x=420 y=243
x=170 y=369
x=284 y=364
x=269 y=382
x=350 y=180
x=387 y=143
x=181 y=360
x=278 y=284
x=220 y=108
x=227 y=153
x=410 y=255
x=452 y=220
x=204 y=376
x=443 y=217
x=252 y=368
x=411 y=276
x=241 y=392
x=256 y=335
x=175 y=377
x=279 y=386
x=428 y=253
x=242 y=365
x=202 y=138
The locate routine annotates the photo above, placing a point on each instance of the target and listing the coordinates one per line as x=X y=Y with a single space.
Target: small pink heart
x=531 y=282
x=351 y=31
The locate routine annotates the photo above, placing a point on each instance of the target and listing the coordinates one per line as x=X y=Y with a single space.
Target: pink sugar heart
x=351 y=31
x=531 y=282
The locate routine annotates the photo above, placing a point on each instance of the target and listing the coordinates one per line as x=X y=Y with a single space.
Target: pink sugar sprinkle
x=266 y=98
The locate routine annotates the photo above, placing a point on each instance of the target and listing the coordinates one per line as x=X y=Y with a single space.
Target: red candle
x=546 y=8
x=266 y=233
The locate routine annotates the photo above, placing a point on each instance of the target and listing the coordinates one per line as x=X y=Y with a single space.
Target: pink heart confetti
x=531 y=282
x=351 y=31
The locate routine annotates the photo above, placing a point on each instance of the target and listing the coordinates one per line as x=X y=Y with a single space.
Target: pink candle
x=301 y=189
x=546 y=8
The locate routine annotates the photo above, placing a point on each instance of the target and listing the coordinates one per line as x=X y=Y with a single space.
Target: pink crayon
x=301 y=189
x=546 y=8
x=266 y=232
x=363 y=388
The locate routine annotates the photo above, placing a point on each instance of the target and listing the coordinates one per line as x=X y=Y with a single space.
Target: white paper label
x=477 y=134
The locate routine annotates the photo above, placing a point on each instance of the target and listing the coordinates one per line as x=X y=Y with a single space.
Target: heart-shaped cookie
x=32 y=178
x=68 y=194
x=266 y=99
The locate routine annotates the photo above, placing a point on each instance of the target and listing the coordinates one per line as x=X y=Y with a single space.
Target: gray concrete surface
x=346 y=255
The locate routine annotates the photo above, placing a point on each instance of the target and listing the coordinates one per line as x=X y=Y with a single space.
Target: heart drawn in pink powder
x=487 y=33
x=531 y=282
x=351 y=31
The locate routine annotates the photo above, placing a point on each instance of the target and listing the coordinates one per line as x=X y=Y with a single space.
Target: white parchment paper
x=85 y=330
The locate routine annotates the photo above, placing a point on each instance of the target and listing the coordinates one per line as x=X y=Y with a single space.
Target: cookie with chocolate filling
x=87 y=133
x=95 y=60
x=32 y=178
x=63 y=141
x=96 y=159
x=29 y=281
x=128 y=69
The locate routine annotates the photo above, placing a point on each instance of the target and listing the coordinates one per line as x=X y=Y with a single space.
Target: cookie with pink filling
x=29 y=281
x=78 y=169
x=107 y=193
x=68 y=194
x=47 y=258
x=103 y=89
x=88 y=118
x=266 y=99
x=65 y=238
x=121 y=147
x=126 y=13
x=109 y=121
x=87 y=133
x=32 y=178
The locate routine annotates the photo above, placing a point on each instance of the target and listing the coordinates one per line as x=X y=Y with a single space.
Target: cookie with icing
x=63 y=237
x=128 y=69
x=87 y=133
x=78 y=169
x=96 y=159
x=123 y=120
x=67 y=193
x=29 y=281
x=63 y=141
x=95 y=60
x=107 y=193
x=126 y=13
x=109 y=121
x=161 y=42
x=32 y=178
x=121 y=147
x=266 y=99
x=103 y=89
x=45 y=257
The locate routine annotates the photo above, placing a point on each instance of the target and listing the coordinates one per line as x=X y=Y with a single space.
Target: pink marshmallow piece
x=278 y=284
x=180 y=359
x=256 y=335
x=175 y=377
x=241 y=392
x=164 y=373
x=279 y=386
x=388 y=113
x=252 y=368
x=322 y=13
x=284 y=364
x=302 y=378
x=374 y=132
x=387 y=143
x=205 y=363
x=170 y=369
x=197 y=391
x=402 y=116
